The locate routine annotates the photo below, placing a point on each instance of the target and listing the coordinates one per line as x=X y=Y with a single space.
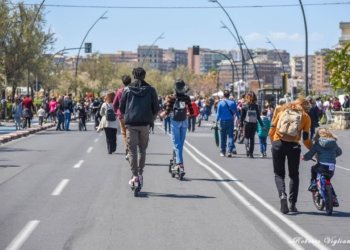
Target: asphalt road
x=61 y=190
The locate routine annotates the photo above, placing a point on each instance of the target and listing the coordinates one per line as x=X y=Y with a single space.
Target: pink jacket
x=52 y=106
x=116 y=103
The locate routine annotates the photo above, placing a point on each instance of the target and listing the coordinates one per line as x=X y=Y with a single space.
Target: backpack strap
x=229 y=108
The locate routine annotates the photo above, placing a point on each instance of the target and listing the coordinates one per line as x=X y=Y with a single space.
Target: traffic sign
x=88 y=47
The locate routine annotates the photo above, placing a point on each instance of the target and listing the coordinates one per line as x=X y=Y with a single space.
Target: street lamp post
x=306 y=52
x=279 y=55
x=256 y=69
x=239 y=41
x=149 y=49
x=101 y=17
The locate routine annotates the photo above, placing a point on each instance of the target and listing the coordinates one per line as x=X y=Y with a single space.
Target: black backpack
x=110 y=115
x=179 y=111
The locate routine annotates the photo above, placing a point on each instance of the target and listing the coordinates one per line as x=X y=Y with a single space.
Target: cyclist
x=175 y=106
x=81 y=113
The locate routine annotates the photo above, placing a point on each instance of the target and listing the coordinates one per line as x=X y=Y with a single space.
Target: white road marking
x=78 y=165
x=58 y=190
x=274 y=211
x=100 y=134
x=274 y=228
x=336 y=166
x=23 y=235
x=96 y=140
x=89 y=150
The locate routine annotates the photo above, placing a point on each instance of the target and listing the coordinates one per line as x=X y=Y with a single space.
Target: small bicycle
x=323 y=196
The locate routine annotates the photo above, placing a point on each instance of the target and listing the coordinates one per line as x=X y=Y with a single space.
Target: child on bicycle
x=326 y=150
x=175 y=106
x=82 y=113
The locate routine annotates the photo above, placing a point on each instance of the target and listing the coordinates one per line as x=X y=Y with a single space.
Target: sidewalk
x=8 y=127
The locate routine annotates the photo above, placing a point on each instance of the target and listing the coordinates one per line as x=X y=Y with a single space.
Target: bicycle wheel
x=329 y=201
x=319 y=204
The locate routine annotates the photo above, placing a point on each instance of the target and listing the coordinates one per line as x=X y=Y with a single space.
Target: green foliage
x=339 y=65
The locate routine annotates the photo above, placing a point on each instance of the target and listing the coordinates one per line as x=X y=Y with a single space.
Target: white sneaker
x=181 y=168
x=127 y=157
x=134 y=181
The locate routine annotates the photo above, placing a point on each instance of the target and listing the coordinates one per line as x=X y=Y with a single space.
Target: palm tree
x=338 y=63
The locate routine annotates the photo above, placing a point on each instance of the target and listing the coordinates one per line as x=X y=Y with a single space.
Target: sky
x=125 y=29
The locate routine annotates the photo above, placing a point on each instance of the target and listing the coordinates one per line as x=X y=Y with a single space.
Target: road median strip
x=23 y=133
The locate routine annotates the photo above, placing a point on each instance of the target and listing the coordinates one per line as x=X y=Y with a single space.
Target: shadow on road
x=323 y=213
x=179 y=196
x=9 y=166
x=157 y=165
x=158 y=154
x=19 y=150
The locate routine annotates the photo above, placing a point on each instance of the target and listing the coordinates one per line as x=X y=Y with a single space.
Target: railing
x=345 y=38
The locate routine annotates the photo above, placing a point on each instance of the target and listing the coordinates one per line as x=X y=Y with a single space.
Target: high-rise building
x=278 y=55
x=237 y=54
x=194 y=61
x=150 y=55
x=209 y=59
x=298 y=66
x=320 y=75
x=173 y=58
x=345 y=34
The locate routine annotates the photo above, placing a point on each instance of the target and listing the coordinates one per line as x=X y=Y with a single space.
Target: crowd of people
x=133 y=109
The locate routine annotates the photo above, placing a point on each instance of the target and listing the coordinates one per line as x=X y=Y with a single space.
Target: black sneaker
x=247 y=149
x=284 y=204
x=264 y=154
x=292 y=207
x=251 y=156
x=312 y=187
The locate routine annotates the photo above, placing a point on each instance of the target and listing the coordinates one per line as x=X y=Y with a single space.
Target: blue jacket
x=223 y=113
x=326 y=149
x=267 y=124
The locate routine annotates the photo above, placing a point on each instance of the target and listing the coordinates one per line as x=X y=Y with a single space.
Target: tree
x=339 y=65
x=25 y=42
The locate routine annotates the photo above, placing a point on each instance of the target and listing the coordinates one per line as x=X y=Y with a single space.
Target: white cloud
x=282 y=36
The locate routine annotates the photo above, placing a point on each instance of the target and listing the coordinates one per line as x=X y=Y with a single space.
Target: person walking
x=17 y=113
x=126 y=79
x=262 y=134
x=290 y=125
x=139 y=106
x=227 y=109
x=46 y=106
x=250 y=115
x=176 y=107
x=81 y=113
x=59 y=110
x=68 y=110
x=53 y=105
x=192 y=118
x=313 y=114
x=207 y=109
x=109 y=122
x=41 y=115
x=346 y=104
x=28 y=110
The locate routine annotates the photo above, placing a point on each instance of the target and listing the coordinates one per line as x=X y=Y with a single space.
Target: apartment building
x=345 y=34
x=298 y=66
x=173 y=58
x=320 y=76
x=150 y=55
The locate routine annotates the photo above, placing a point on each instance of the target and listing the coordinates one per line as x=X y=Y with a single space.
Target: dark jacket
x=68 y=104
x=81 y=110
x=139 y=104
x=326 y=149
x=244 y=110
x=59 y=109
x=313 y=113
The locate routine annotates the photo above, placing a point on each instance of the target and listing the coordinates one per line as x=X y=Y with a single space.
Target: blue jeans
x=60 y=118
x=67 y=116
x=227 y=130
x=178 y=135
x=167 y=124
x=262 y=141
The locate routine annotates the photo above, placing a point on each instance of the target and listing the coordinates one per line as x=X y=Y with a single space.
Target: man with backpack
x=175 y=106
x=227 y=109
x=139 y=106
x=290 y=125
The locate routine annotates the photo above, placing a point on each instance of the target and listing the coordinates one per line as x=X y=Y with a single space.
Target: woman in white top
x=109 y=122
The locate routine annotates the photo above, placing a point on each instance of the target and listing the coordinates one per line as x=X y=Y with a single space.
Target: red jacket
x=116 y=103
x=195 y=109
x=28 y=103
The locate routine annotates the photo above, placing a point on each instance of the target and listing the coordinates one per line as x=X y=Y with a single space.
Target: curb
x=23 y=133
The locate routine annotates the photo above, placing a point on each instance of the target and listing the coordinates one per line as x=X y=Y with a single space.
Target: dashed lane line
x=78 y=165
x=58 y=190
x=89 y=150
x=23 y=235
x=95 y=140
